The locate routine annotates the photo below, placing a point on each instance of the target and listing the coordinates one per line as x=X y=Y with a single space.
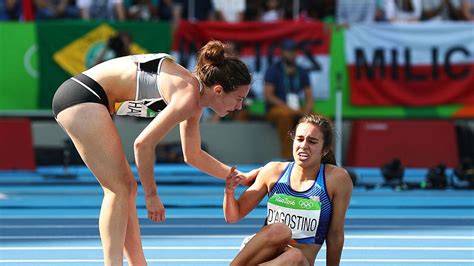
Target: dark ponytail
x=329 y=158
x=216 y=65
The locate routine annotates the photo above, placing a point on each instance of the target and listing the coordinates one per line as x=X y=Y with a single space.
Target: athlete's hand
x=249 y=178
x=232 y=180
x=156 y=210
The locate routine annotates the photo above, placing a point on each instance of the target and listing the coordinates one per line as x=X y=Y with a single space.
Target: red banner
x=258 y=44
x=253 y=35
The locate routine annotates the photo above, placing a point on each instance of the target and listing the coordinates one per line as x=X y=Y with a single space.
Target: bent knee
x=124 y=187
x=295 y=257
x=277 y=234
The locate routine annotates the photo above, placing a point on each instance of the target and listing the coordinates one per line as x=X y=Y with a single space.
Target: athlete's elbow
x=189 y=159
x=231 y=219
x=190 y=156
x=231 y=216
x=138 y=145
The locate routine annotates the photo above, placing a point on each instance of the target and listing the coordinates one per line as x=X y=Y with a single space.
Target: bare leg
x=266 y=245
x=97 y=140
x=290 y=257
x=133 y=245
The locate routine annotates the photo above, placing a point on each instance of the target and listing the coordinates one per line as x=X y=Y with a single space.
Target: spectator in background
x=10 y=10
x=286 y=85
x=271 y=11
x=201 y=11
x=102 y=9
x=288 y=7
x=322 y=10
x=165 y=10
x=116 y=46
x=467 y=9
x=145 y=10
x=56 y=9
x=308 y=10
x=253 y=10
x=433 y=10
x=229 y=10
x=349 y=11
x=402 y=10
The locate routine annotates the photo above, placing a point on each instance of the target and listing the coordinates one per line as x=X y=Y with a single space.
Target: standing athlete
x=145 y=86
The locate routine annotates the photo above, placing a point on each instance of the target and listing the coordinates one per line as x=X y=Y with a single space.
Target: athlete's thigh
x=98 y=142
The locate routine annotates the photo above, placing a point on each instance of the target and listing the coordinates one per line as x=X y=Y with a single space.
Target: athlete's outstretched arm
x=195 y=156
x=145 y=144
x=193 y=153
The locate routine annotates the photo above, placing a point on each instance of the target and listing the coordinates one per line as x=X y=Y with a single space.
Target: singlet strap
x=151 y=66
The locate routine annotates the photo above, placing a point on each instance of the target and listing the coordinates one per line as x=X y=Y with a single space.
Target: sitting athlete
x=151 y=85
x=308 y=199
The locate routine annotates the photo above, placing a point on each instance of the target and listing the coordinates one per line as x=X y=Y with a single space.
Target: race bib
x=293 y=101
x=140 y=108
x=300 y=214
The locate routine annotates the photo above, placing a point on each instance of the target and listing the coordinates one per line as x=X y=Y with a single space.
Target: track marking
x=236 y=248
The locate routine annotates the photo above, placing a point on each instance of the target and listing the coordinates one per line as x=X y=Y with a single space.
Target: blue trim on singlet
x=283 y=186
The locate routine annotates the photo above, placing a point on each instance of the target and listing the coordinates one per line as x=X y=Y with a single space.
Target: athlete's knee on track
x=277 y=234
x=294 y=256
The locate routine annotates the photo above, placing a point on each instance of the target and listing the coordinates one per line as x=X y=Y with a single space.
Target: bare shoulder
x=271 y=172
x=274 y=167
x=177 y=74
x=179 y=85
x=337 y=178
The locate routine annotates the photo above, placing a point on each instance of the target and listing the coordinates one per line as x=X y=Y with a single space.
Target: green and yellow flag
x=67 y=48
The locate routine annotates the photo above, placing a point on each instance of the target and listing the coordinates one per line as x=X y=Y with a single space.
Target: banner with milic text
x=258 y=44
x=416 y=65
x=67 y=48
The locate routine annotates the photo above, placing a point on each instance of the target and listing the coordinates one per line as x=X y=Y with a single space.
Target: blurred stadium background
x=401 y=94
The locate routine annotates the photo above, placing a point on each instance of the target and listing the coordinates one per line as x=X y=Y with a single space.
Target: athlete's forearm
x=209 y=165
x=230 y=206
x=334 y=250
x=144 y=159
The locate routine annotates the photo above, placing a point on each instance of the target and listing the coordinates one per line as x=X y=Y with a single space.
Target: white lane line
x=409 y=237
x=243 y=236
x=235 y=248
x=404 y=260
x=99 y=260
x=67 y=226
x=60 y=226
x=228 y=260
x=210 y=216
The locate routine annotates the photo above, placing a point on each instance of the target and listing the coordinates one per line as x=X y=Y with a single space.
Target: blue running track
x=49 y=220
